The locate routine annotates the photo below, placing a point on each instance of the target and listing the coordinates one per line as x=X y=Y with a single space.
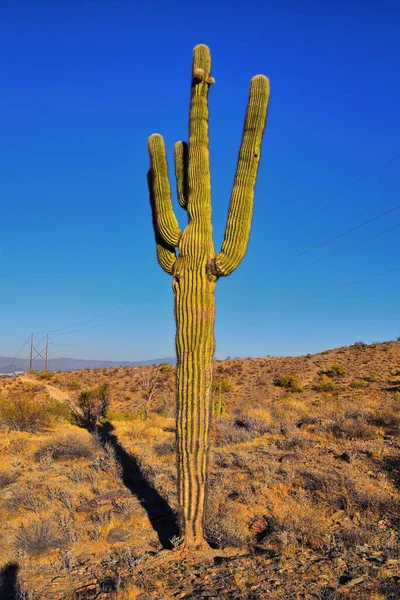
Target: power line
x=348 y=185
x=340 y=287
x=12 y=364
x=103 y=324
x=94 y=318
x=361 y=214
x=315 y=262
x=287 y=260
x=275 y=278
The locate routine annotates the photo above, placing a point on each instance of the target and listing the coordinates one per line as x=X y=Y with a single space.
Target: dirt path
x=54 y=392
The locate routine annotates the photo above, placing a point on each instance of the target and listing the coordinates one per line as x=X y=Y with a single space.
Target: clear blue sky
x=86 y=82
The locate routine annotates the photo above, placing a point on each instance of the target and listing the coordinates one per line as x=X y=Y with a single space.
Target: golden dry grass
x=306 y=470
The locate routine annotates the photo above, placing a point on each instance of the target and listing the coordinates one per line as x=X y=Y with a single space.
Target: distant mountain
x=8 y=364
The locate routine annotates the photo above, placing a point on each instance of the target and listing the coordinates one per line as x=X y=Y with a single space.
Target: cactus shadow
x=161 y=516
x=9 y=588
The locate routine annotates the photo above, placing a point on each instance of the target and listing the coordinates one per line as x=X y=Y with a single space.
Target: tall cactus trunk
x=196 y=269
x=195 y=315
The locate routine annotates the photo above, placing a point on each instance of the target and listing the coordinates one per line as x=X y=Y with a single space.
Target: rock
x=118 y=535
x=289 y=457
x=345 y=457
x=102 y=500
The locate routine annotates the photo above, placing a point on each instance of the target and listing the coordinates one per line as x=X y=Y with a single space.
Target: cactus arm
x=165 y=254
x=181 y=172
x=166 y=258
x=163 y=214
x=240 y=213
x=199 y=179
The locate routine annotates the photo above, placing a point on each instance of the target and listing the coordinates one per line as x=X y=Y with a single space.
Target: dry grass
x=313 y=471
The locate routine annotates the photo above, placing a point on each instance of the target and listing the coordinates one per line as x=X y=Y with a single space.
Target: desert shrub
x=24 y=413
x=66 y=447
x=93 y=404
x=7 y=479
x=59 y=410
x=224 y=529
x=293 y=442
x=396 y=396
x=360 y=345
x=358 y=384
x=222 y=384
x=37 y=538
x=74 y=385
x=107 y=462
x=256 y=421
x=335 y=370
x=231 y=431
x=289 y=382
x=373 y=376
x=121 y=416
x=45 y=375
x=165 y=448
x=325 y=385
x=351 y=428
x=166 y=368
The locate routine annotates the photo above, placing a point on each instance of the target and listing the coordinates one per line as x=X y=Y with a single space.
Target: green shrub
x=360 y=345
x=358 y=384
x=45 y=375
x=223 y=385
x=373 y=376
x=325 y=385
x=335 y=370
x=24 y=413
x=74 y=385
x=289 y=382
x=93 y=404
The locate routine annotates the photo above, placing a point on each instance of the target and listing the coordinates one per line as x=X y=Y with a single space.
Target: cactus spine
x=196 y=268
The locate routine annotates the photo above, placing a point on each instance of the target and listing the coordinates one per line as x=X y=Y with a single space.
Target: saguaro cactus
x=196 y=268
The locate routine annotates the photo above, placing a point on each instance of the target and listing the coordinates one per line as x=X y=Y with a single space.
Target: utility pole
x=30 y=359
x=35 y=353
x=46 y=352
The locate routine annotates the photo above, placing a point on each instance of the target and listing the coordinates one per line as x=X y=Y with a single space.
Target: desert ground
x=303 y=495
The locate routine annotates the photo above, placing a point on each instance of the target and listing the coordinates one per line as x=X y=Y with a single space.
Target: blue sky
x=86 y=82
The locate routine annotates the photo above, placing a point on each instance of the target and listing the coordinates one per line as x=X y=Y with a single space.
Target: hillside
x=303 y=493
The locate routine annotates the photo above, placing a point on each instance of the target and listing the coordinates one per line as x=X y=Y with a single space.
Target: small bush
x=373 y=376
x=7 y=479
x=37 y=538
x=358 y=384
x=351 y=429
x=224 y=530
x=360 y=345
x=325 y=385
x=74 y=385
x=289 y=382
x=222 y=384
x=24 y=413
x=165 y=448
x=66 y=447
x=335 y=370
x=45 y=375
x=93 y=404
